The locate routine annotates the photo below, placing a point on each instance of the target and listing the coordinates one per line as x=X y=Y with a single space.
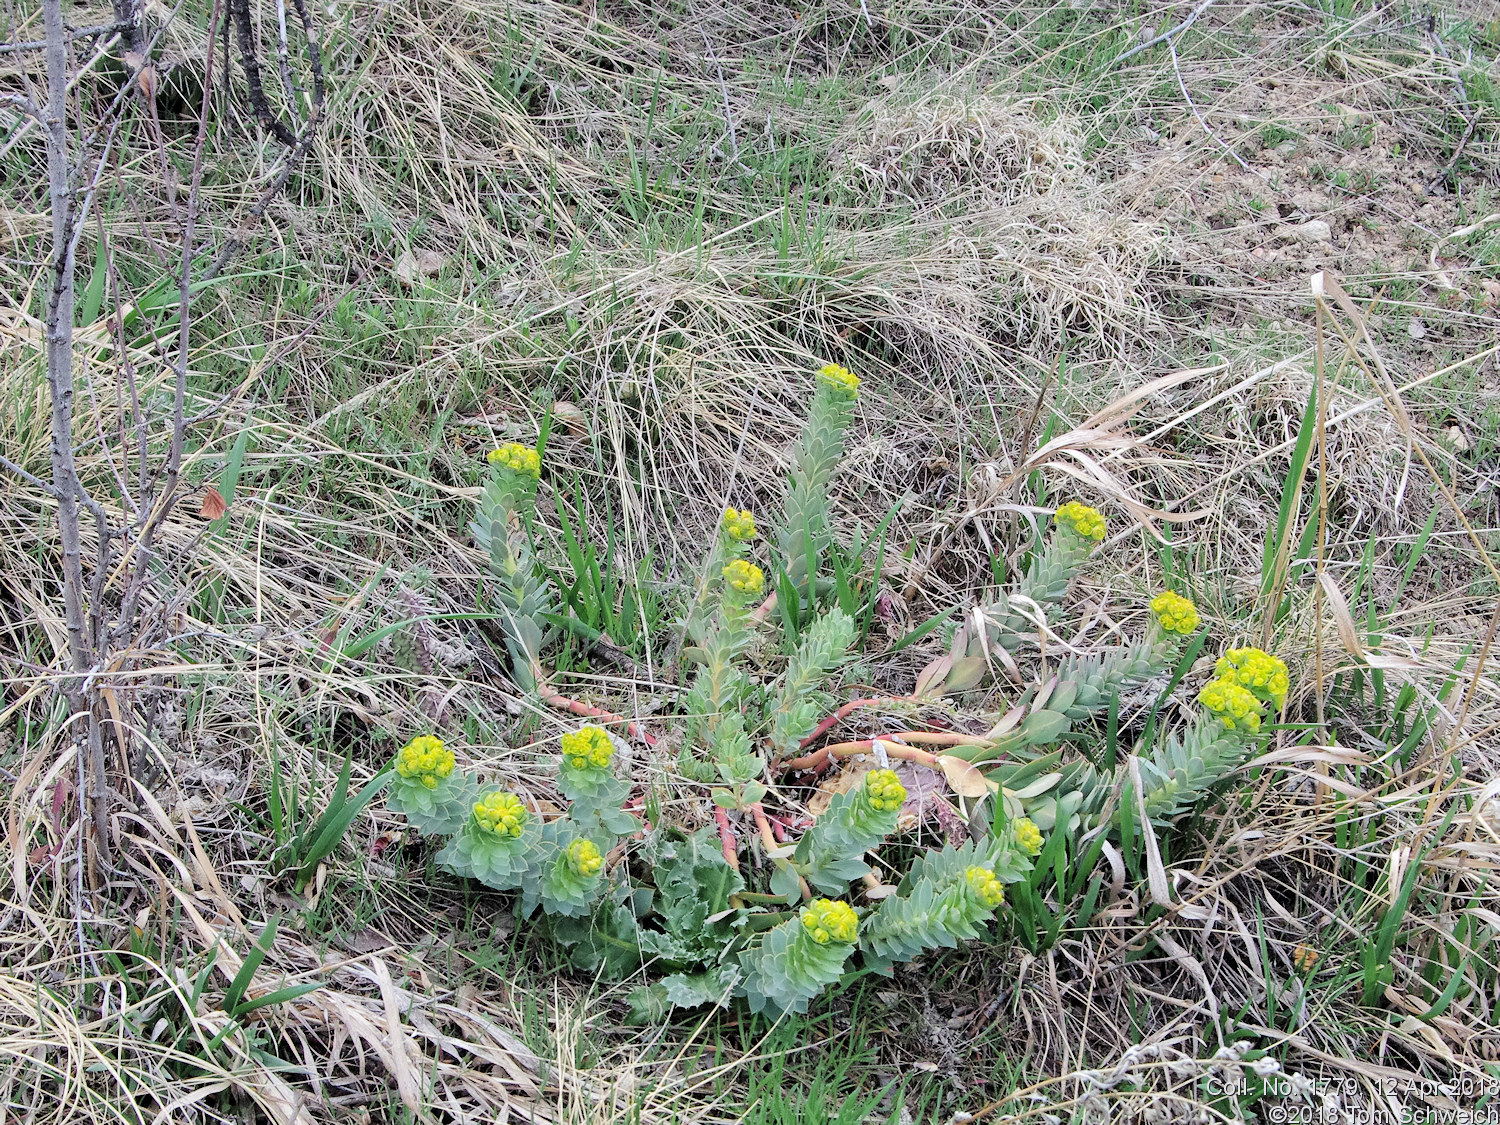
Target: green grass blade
x=252 y=962
x=1273 y=560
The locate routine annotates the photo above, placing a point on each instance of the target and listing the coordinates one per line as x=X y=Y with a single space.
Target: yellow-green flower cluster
x=1258 y=672
x=588 y=746
x=518 y=458
x=986 y=887
x=738 y=525
x=1231 y=704
x=1086 y=522
x=844 y=382
x=745 y=578
x=1028 y=835
x=826 y=920
x=500 y=813
x=425 y=759
x=584 y=858
x=884 y=790
x=1175 y=613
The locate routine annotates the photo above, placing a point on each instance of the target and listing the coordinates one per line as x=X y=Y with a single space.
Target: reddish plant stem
x=762 y=611
x=726 y=838
x=768 y=838
x=938 y=738
x=563 y=703
x=893 y=748
x=843 y=712
x=637 y=807
x=864 y=746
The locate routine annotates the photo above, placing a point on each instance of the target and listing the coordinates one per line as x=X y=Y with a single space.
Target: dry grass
x=665 y=215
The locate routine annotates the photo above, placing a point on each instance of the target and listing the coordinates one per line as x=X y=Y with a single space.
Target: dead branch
x=239 y=14
x=300 y=146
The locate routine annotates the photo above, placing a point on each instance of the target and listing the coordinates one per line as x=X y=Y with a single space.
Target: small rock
x=569 y=417
x=1348 y=115
x=425 y=263
x=1314 y=230
x=1416 y=329
x=1459 y=439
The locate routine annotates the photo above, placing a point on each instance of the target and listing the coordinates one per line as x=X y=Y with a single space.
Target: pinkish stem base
x=843 y=712
x=726 y=838
x=588 y=710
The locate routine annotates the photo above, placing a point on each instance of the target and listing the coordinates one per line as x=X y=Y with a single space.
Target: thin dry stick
x=1165 y=36
x=1181 y=85
x=283 y=59
x=1467 y=110
x=156 y=510
x=67 y=488
x=239 y=14
x=81 y=33
x=300 y=144
x=59 y=329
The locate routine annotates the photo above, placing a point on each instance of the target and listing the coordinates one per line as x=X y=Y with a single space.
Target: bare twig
x=59 y=329
x=283 y=57
x=155 y=511
x=128 y=19
x=1469 y=111
x=36 y=482
x=80 y=33
x=1166 y=36
x=300 y=145
x=239 y=14
x=1181 y=85
x=1452 y=165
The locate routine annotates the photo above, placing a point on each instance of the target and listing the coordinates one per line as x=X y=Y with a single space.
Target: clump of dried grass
x=1022 y=238
x=938 y=147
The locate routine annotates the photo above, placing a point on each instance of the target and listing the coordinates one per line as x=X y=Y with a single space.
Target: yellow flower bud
x=739 y=525
x=1175 y=613
x=844 y=383
x=501 y=814
x=745 y=578
x=588 y=747
x=826 y=921
x=986 y=887
x=1258 y=672
x=1028 y=835
x=425 y=759
x=519 y=459
x=584 y=858
x=1083 y=521
x=884 y=790
x=1231 y=704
